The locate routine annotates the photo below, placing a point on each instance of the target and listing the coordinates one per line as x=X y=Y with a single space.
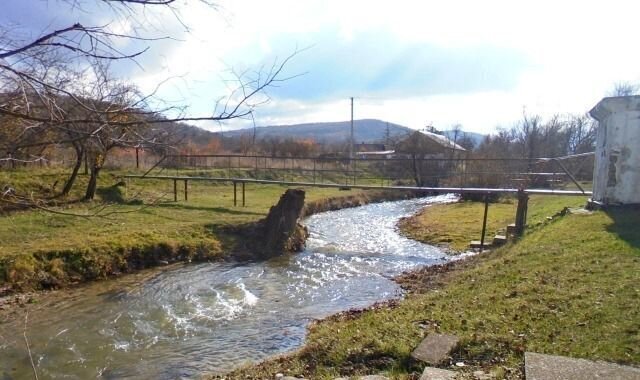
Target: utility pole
x=351 y=138
x=387 y=137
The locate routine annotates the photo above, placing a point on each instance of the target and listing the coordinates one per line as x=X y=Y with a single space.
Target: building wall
x=617 y=158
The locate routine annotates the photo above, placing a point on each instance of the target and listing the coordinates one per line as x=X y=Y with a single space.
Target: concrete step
x=511 y=229
x=499 y=240
x=477 y=244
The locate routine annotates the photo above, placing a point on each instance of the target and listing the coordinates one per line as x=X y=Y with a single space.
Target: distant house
x=430 y=155
x=428 y=145
x=363 y=150
x=362 y=147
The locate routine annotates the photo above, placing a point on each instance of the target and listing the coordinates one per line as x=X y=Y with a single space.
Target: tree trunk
x=76 y=168
x=93 y=184
x=282 y=231
x=93 y=179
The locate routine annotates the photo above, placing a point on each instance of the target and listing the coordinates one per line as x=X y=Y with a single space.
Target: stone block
x=431 y=373
x=435 y=348
x=499 y=240
x=477 y=244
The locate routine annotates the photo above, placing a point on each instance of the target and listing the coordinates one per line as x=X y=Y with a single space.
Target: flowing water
x=211 y=317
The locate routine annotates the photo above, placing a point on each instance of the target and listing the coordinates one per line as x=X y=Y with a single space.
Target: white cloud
x=576 y=51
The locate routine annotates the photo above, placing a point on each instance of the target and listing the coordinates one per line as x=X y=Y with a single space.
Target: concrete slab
x=499 y=239
x=435 y=348
x=374 y=377
x=477 y=244
x=431 y=373
x=550 y=367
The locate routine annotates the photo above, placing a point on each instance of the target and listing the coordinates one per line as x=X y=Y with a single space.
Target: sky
x=480 y=64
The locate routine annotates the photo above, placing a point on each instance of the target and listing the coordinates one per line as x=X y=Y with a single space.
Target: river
x=211 y=317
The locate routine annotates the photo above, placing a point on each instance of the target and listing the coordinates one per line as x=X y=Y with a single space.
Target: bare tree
x=55 y=90
x=581 y=130
x=625 y=89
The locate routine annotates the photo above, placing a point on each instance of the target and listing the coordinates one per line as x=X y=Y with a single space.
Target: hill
x=474 y=136
x=365 y=130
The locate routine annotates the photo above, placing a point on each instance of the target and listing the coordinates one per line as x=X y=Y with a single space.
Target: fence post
x=355 y=168
x=242 y=194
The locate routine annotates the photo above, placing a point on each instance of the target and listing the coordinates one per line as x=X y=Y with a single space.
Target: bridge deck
x=441 y=190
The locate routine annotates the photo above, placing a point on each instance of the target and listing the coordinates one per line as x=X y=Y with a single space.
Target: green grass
x=569 y=287
x=139 y=219
x=434 y=224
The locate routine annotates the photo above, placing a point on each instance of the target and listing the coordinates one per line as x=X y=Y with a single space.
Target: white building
x=616 y=176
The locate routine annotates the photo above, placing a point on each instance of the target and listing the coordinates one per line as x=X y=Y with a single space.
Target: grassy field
x=433 y=224
x=568 y=287
x=139 y=219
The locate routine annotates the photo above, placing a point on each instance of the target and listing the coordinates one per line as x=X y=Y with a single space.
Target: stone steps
x=498 y=239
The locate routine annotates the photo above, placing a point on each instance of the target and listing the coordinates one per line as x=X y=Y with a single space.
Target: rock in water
x=282 y=230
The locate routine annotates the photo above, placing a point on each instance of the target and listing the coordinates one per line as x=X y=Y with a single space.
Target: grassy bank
x=433 y=224
x=568 y=287
x=137 y=225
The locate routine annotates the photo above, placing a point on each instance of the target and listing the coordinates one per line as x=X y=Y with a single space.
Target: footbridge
x=523 y=177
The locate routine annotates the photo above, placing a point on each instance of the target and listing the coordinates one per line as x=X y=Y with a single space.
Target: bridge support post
x=175 y=190
x=521 y=212
x=484 y=221
x=235 y=194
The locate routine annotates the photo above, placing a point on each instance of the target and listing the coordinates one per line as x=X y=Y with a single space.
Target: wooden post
x=521 y=212
x=186 y=192
x=229 y=167
x=314 y=170
x=235 y=196
x=484 y=221
x=242 y=194
x=137 y=159
x=175 y=190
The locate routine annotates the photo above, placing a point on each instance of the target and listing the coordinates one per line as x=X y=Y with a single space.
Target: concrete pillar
x=616 y=176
